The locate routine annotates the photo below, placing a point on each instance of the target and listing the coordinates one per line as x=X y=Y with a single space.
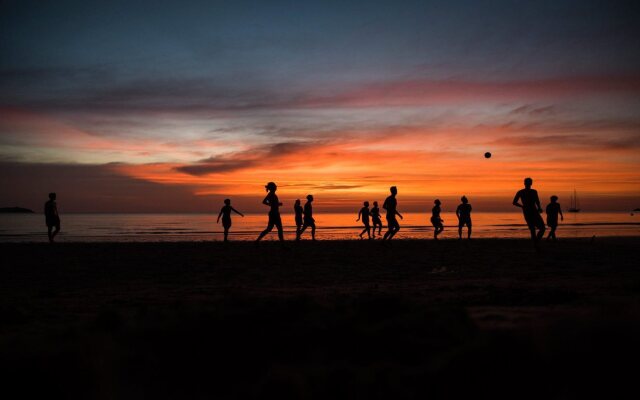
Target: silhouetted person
x=51 y=216
x=225 y=213
x=436 y=221
x=553 y=209
x=391 y=204
x=375 y=218
x=463 y=212
x=364 y=214
x=531 y=209
x=297 y=210
x=274 y=204
x=308 y=219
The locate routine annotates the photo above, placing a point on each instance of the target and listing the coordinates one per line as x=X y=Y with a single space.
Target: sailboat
x=574 y=207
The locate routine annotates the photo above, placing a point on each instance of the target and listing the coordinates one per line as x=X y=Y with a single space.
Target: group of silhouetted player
x=526 y=198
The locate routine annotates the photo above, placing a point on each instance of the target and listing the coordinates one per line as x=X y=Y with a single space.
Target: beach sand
x=330 y=319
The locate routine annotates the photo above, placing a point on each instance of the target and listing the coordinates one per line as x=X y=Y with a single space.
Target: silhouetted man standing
x=52 y=217
x=531 y=209
x=391 y=204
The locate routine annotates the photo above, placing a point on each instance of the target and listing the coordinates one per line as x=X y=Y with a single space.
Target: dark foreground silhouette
x=340 y=319
x=272 y=201
x=52 y=219
x=528 y=200
x=225 y=213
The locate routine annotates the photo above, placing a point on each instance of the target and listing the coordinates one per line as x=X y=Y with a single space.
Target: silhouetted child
x=375 y=218
x=553 y=209
x=225 y=213
x=308 y=219
x=531 y=209
x=463 y=212
x=391 y=205
x=364 y=213
x=297 y=210
x=436 y=221
x=51 y=216
x=274 y=204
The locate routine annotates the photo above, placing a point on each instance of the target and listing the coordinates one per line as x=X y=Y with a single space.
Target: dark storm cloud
x=258 y=155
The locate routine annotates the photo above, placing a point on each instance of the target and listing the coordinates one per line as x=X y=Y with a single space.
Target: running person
x=225 y=213
x=375 y=218
x=364 y=213
x=274 y=204
x=391 y=205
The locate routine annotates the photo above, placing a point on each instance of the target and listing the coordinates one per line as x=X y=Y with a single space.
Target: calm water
x=187 y=227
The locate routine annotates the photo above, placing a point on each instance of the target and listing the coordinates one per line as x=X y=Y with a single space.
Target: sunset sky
x=160 y=106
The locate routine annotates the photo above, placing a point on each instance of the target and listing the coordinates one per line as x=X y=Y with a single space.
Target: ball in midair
x=487 y=155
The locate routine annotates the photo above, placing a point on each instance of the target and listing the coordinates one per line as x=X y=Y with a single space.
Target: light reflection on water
x=189 y=227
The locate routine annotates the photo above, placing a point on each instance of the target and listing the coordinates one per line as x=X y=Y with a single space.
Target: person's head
x=528 y=182
x=271 y=187
x=554 y=199
x=393 y=190
x=52 y=196
x=309 y=198
x=375 y=204
x=437 y=202
x=464 y=199
x=366 y=204
x=297 y=202
x=227 y=202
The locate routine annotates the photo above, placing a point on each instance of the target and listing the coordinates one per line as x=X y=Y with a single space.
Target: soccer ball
x=487 y=155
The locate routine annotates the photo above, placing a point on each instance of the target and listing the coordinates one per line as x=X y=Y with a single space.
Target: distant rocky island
x=15 y=210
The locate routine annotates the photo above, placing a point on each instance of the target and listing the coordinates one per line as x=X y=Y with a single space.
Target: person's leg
x=49 y=229
x=368 y=229
x=362 y=233
x=460 y=225
x=389 y=230
x=469 y=230
x=304 y=228
x=55 y=232
x=278 y=224
x=313 y=231
x=396 y=228
x=541 y=229
x=267 y=230
x=226 y=233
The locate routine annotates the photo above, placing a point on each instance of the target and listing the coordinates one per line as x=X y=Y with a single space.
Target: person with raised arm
x=225 y=213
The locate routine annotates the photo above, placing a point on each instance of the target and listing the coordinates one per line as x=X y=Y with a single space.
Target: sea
x=331 y=226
